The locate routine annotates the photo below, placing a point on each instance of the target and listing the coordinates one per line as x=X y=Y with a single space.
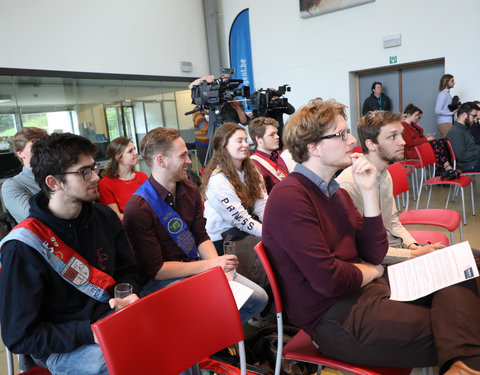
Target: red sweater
x=312 y=241
x=413 y=136
x=114 y=190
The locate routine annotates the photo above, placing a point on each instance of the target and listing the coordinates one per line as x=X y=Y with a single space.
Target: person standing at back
x=444 y=99
x=377 y=100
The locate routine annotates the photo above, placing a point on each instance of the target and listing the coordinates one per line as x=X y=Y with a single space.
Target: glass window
x=100 y=109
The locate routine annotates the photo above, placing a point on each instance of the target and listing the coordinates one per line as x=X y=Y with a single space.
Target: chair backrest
x=429 y=237
x=260 y=250
x=425 y=154
x=452 y=154
x=399 y=178
x=172 y=329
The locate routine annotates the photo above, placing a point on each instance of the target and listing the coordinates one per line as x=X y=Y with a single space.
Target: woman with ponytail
x=120 y=180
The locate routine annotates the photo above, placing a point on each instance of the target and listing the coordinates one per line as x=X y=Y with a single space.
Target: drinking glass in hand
x=229 y=248
x=122 y=290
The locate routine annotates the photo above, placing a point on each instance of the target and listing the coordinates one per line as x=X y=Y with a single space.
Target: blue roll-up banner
x=241 y=49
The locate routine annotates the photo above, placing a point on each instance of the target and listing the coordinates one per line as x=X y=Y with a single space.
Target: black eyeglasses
x=344 y=134
x=86 y=172
x=474 y=116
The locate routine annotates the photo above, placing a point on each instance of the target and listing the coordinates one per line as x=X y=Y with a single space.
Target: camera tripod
x=214 y=119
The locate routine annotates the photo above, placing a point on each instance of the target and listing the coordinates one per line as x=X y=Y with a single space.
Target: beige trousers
x=443 y=128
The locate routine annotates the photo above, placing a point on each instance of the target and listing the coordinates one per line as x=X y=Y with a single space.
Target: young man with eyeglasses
x=59 y=266
x=380 y=135
x=327 y=260
x=466 y=150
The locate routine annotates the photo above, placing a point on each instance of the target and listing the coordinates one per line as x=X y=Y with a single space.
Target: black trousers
x=367 y=328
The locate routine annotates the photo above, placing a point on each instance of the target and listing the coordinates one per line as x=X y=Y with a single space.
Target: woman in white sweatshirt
x=233 y=189
x=235 y=198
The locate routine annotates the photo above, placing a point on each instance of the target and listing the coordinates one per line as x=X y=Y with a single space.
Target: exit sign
x=393 y=59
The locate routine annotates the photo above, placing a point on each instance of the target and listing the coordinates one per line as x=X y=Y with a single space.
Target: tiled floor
x=471 y=233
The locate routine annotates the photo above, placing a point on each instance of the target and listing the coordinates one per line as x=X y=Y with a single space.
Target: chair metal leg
x=429 y=195
x=414 y=182
x=448 y=196
x=461 y=232
x=319 y=369
x=451 y=238
x=463 y=208
x=10 y=366
x=243 y=358
x=473 y=199
x=278 y=362
x=419 y=191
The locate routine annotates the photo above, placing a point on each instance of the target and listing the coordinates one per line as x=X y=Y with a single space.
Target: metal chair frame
x=448 y=219
x=427 y=158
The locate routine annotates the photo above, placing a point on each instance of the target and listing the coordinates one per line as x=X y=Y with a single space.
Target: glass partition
x=100 y=109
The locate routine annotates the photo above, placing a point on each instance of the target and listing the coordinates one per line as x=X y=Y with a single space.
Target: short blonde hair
x=308 y=125
x=157 y=141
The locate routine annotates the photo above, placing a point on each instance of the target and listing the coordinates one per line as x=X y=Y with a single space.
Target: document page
x=418 y=277
x=240 y=292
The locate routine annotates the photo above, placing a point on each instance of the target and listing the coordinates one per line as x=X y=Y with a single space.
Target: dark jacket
x=41 y=313
x=464 y=147
x=372 y=104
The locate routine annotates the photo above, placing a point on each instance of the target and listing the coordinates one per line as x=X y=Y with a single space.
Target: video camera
x=264 y=101
x=219 y=92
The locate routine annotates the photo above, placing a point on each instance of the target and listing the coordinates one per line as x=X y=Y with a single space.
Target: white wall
x=147 y=37
x=315 y=55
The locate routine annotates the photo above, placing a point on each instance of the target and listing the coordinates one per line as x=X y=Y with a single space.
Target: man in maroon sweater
x=264 y=133
x=326 y=257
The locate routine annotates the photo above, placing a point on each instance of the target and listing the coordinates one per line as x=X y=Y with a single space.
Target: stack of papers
x=419 y=277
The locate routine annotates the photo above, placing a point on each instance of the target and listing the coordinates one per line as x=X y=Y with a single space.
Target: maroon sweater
x=313 y=245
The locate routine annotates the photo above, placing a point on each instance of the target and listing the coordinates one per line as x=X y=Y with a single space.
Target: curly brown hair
x=308 y=125
x=253 y=187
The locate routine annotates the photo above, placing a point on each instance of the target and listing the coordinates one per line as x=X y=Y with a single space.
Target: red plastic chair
x=448 y=219
x=413 y=165
x=422 y=236
x=454 y=159
x=171 y=330
x=427 y=158
x=300 y=347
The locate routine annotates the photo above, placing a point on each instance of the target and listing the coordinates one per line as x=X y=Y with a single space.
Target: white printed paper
x=240 y=292
x=418 y=277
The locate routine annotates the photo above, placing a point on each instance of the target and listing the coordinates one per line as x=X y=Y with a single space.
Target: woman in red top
x=120 y=180
x=413 y=136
